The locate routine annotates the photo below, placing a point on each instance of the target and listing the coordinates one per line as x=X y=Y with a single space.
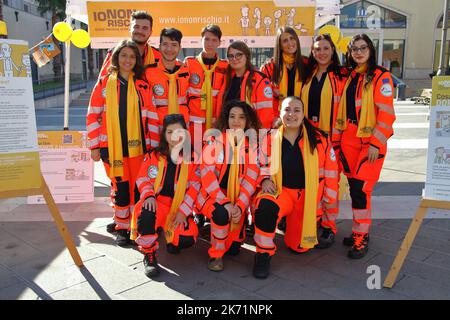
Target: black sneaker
x=261 y=268
x=360 y=246
x=151 y=268
x=122 y=238
x=250 y=230
x=326 y=239
x=199 y=220
x=172 y=249
x=235 y=248
x=282 y=224
x=348 y=241
x=111 y=227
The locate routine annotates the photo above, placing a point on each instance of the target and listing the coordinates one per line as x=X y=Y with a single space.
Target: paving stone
x=153 y=290
x=217 y=289
x=83 y=291
x=18 y=292
x=7 y=278
x=427 y=272
x=285 y=289
x=417 y=288
x=438 y=259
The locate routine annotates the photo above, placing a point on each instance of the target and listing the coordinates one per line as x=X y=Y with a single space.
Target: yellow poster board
x=20 y=172
x=19 y=153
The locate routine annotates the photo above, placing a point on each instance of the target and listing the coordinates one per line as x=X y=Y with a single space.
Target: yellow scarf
x=113 y=124
x=149 y=57
x=284 y=80
x=206 y=96
x=233 y=186
x=326 y=100
x=176 y=202
x=367 y=119
x=173 y=94
x=311 y=167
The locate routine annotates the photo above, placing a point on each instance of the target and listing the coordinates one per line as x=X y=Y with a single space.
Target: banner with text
x=437 y=186
x=254 y=22
x=19 y=155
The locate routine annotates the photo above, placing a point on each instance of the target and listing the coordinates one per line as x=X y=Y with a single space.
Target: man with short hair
x=141 y=27
x=169 y=78
x=207 y=75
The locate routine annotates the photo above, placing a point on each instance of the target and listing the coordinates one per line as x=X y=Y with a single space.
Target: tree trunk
x=90 y=56
x=57 y=61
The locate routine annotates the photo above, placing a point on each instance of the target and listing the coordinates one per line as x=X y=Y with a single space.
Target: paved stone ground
x=34 y=263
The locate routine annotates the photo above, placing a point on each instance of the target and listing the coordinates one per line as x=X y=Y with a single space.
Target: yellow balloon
x=333 y=31
x=343 y=44
x=80 y=38
x=62 y=31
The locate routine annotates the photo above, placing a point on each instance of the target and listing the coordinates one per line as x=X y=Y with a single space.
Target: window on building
x=361 y=15
x=437 y=56
x=6 y=2
x=393 y=53
x=441 y=20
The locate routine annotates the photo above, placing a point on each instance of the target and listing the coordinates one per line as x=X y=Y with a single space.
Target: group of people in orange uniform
x=220 y=140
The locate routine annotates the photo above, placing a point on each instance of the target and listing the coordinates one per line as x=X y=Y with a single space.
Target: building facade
x=407 y=33
x=24 y=22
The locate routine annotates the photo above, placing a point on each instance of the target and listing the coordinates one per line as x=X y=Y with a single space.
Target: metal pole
x=67 y=81
x=442 y=67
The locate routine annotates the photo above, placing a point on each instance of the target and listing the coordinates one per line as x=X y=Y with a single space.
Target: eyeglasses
x=362 y=49
x=237 y=56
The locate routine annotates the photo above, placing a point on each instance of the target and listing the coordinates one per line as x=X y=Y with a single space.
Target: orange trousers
x=148 y=223
x=362 y=175
x=124 y=194
x=270 y=210
x=221 y=236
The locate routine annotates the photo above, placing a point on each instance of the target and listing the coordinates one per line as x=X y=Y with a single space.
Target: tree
x=57 y=8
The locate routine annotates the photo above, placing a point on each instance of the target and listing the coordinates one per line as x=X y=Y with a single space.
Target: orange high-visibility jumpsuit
x=290 y=203
x=362 y=175
x=107 y=61
x=268 y=69
x=197 y=116
x=158 y=79
x=148 y=221
x=213 y=197
x=337 y=80
x=123 y=192
x=261 y=99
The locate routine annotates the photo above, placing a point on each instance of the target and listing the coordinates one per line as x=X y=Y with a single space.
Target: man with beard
x=141 y=25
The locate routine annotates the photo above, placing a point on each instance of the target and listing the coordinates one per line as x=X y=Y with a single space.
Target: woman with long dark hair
x=168 y=182
x=121 y=136
x=287 y=68
x=229 y=172
x=294 y=184
x=321 y=94
x=363 y=125
x=245 y=83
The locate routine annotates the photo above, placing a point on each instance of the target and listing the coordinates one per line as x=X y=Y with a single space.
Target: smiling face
x=360 y=52
x=322 y=52
x=173 y=136
x=140 y=30
x=237 y=119
x=291 y=113
x=169 y=49
x=210 y=43
x=127 y=59
x=237 y=59
x=288 y=44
